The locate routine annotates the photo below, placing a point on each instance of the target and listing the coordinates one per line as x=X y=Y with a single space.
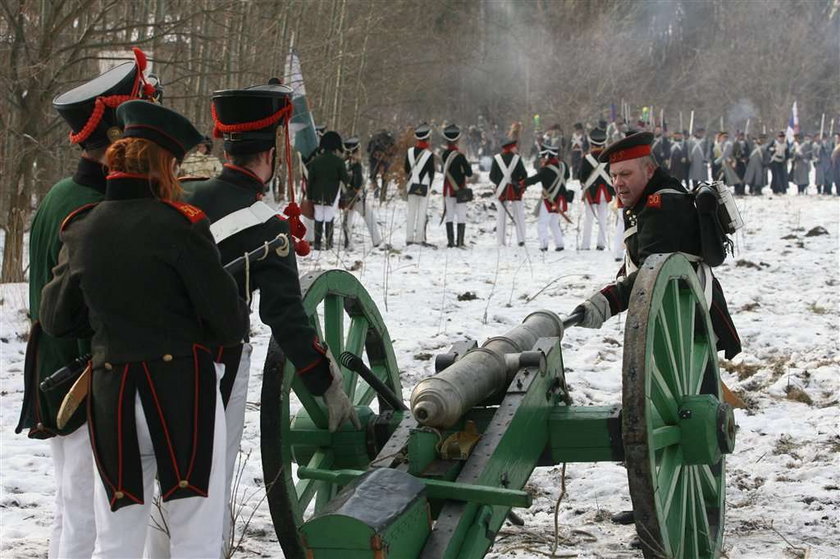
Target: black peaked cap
x=165 y=127
x=246 y=106
x=628 y=142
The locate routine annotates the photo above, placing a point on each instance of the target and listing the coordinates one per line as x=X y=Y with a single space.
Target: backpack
x=718 y=217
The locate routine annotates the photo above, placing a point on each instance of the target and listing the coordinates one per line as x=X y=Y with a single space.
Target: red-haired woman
x=140 y=271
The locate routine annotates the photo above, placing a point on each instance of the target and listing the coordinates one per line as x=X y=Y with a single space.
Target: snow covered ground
x=783 y=483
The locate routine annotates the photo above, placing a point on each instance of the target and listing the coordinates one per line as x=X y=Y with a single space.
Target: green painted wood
x=671 y=400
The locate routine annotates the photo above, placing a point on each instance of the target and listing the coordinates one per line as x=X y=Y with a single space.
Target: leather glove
x=595 y=310
x=339 y=406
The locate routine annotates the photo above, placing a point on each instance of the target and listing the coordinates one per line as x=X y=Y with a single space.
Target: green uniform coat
x=326 y=173
x=49 y=354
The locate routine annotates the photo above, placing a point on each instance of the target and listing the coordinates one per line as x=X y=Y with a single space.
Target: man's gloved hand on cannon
x=595 y=311
x=339 y=406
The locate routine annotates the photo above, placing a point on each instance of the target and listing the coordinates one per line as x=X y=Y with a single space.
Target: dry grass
x=742 y=370
x=798 y=395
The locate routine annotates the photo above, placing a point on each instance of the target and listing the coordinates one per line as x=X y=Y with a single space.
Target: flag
x=302 y=124
x=793 y=124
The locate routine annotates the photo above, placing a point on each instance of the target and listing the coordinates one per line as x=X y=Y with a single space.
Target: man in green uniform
x=90 y=110
x=327 y=172
x=655 y=222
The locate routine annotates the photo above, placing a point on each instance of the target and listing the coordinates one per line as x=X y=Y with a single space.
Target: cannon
x=439 y=480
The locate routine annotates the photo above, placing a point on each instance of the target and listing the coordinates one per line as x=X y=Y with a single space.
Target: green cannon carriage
x=439 y=481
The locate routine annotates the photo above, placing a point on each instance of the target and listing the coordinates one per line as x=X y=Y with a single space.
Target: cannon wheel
x=669 y=353
x=329 y=298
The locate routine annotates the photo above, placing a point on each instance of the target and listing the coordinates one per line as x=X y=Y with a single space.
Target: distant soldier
x=90 y=112
x=661 y=149
x=201 y=162
x=553 y=175
x=380 y=151
x=779 y=153
x=756 y=174
x=698 y=158
x=579 y=147
x=327 y=173
x=420 y=168
x=835 y=164
x=741 y=152
x=678 y=162
x=355 y=199
x=726 y=163
x=508 y=174
x=596 y=188
x=801 y=168
x=456 y=169
x=821 y=154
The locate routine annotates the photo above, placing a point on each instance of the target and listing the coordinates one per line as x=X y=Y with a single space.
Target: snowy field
x=783 y=482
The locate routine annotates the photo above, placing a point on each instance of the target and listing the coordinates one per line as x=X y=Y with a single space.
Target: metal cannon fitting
x=442 y=399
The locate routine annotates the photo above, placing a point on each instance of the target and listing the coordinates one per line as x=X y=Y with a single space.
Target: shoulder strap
x=598 y=170
x=255 y=214
x=507 y=171
x=418 y=165
x=76 y=213
x=551 y=192
x=192 y=213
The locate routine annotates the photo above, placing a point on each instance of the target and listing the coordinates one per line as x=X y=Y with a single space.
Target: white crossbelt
x=446 y=165
x=418 y=166
x=255 y=214
x=551 y=192
x=598 y=170
x=507 y=171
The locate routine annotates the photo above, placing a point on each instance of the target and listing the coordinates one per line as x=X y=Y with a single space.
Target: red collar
x=508 y=149
x=422 y=144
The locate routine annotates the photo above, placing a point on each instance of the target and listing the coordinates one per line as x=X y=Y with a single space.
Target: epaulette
x=192 y=213
x=76 y=213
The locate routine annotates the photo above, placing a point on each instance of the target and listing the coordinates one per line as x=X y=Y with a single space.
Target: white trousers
x=517 y=210
x=549 y=221
x=324 y=213
x=73 y=529
x=455 y=211
x=368 y=214
x=415 y=228
x=310 y=229
x=618 y=241
x=195 y=523
x=600 y=211
x=157 y=541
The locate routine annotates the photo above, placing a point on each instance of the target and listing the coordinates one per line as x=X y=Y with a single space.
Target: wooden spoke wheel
x=675 y=428
x=293 y=423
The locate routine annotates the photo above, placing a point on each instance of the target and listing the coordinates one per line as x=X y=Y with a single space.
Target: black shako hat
x=165 y=127
x=597 y=137
x=351 y=144
x=90 y=109
x=331 y=141
x=630 y=147
x=452 y=133
x=247 y=119
x=422 y=132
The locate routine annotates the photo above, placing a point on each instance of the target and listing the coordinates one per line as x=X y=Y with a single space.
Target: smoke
x=737 y=115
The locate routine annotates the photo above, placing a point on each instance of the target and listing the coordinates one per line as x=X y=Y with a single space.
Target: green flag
x=302 y=125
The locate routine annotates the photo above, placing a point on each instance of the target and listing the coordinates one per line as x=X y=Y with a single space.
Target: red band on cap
x=630 y=153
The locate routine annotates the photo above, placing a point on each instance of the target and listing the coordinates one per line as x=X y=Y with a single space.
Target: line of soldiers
x=126 y=265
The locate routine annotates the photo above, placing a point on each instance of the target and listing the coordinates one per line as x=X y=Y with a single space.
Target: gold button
x=183 y=484
x=167 y=357
x=108 y=366
x=119 y=495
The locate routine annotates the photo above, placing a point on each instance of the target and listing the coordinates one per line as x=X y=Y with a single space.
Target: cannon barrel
x=441 y=400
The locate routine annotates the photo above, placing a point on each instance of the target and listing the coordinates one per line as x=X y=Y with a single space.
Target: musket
x=822 y=125
x=691 y=123
x=681 y=123
x=747 y=128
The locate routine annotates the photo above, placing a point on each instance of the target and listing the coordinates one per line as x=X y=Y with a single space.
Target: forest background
x=372 y=64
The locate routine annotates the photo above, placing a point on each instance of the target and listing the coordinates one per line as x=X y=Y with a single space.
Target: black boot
x=461 y=228
x=450 y=235
x=328 y=229
x=319 y=231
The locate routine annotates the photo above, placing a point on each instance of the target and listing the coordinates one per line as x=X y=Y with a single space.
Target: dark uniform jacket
x=281 y=306
x=600 y=189
x=352 y=191
x=546 y=176
x=428 y=170
x=459 y=170
x=667 y=223
x=678 y=163
x=513 y=190
x=46 y=354
x=144 y=277
x=326 y=173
